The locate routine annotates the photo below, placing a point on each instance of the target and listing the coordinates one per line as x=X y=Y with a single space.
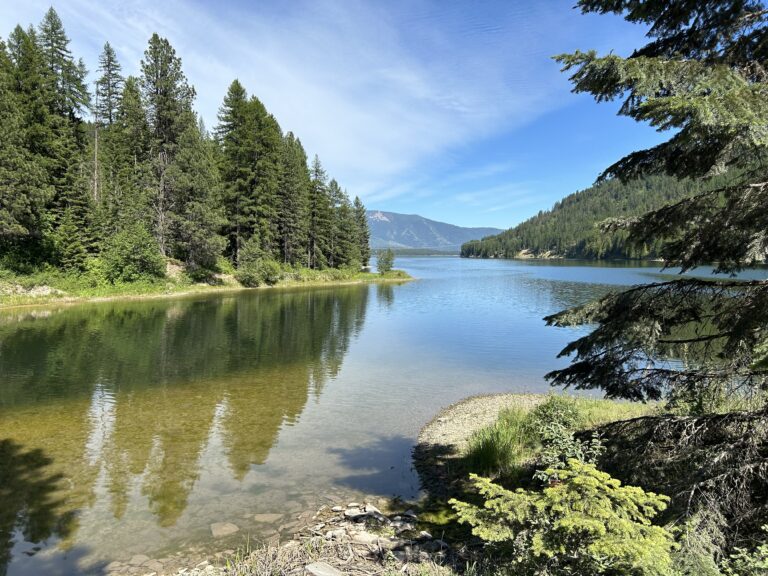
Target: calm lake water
x=130 y=427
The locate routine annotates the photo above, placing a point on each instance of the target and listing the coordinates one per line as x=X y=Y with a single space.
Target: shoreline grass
x=505 y=447
x=54 y=287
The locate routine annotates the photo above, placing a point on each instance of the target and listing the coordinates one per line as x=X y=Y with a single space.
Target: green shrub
x=560 y=410
x=585 y=522
x=748 y=562
x=132 y=254
x=259 y=273
x=385 y=260
x=559 y=447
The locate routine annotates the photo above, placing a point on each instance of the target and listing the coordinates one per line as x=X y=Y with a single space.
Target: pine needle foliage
x=703 y=77
x=584 y=522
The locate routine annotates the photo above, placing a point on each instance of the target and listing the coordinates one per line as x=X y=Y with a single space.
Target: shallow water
x=130 y=427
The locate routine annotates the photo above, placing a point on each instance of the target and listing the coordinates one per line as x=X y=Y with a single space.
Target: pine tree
x=168 y=100
x=166 y=93
x=23 y=188
x=320 y=217
x=363 y=232
x=67 y=77
x=293 y=201
x=236 y=136
x=194 y=179
x=267 y=174
x=109 y=86
x=703 y=76
x=348 y=253
x=336 y=229
x=126 y=164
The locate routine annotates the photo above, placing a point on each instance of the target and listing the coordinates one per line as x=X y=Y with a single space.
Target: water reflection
x=120 y=403
x=29 y=501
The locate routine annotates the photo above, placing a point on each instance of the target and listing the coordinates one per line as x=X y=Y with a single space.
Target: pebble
x=322 y=569
x=221 y=529
x=153 y=565
x=268 y=518
x=355 y=514
x=138 y=559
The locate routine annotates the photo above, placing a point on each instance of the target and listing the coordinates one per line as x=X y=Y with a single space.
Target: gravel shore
x=455 y=424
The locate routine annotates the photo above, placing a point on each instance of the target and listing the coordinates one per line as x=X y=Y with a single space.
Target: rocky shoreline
x=356 y=538
x=341 y=537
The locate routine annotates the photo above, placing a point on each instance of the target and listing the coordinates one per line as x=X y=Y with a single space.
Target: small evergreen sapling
x=584 y=522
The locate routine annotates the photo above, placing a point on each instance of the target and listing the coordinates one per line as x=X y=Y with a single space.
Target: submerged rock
x=268 y=518
x=221 y=529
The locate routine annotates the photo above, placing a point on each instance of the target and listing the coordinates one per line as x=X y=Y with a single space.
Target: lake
x=129 y=427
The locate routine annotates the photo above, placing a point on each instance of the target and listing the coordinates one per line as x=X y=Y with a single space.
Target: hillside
x=570 y=229
x=393 y=230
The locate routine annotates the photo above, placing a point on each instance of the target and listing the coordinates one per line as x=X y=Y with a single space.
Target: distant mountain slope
x=570 y=228
x=392 y=230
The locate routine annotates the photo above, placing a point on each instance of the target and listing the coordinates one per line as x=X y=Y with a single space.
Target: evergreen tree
x=168 y=100
x=109 y=86
x=267 y=174
x=50 y=90
x=67 y=77
x=68 y=238
x=166 y=94
x=126 y=164
x=194 y=179
x=239 y=150
x=703 y=76
x=320 y=217
x=23 y=188
x=293 y=201
x=336 y=228
x=363 y=232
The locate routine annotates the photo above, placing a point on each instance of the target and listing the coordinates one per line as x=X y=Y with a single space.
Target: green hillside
x=571 y=228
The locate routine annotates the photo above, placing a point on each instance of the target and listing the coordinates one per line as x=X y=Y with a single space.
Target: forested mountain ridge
x=393 y=230
x=570 y=229
x=115 y=180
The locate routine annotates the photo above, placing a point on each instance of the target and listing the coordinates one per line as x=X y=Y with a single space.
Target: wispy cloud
x=378 y=90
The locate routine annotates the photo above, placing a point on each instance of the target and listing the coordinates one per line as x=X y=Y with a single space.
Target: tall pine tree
x=109 y=86
x=168 y=99
x=293 y=202
x=363 y=232
x=320 y=217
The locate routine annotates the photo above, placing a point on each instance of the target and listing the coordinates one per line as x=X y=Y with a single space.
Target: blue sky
x=451 y=110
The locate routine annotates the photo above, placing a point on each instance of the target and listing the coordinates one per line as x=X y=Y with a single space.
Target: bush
x=559 y=410
x=585 y=522
x=748 y=563
x=132 y=254
x=259 y=272
x=385 y=261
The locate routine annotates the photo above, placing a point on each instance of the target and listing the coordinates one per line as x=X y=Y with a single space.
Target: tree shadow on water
x=385 y=467
x=31 y=508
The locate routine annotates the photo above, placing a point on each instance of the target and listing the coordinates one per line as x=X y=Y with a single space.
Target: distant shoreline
x=55 y=297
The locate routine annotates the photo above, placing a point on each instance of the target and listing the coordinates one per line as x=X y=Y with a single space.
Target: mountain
x=571 y=228
x=392 y=230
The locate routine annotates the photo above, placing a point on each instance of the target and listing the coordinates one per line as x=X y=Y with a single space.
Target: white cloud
x=378 y=90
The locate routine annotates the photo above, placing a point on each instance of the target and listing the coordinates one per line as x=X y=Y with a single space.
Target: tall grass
x=502 y=447
x=513 y=441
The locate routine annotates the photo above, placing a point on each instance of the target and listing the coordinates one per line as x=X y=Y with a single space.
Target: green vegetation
x=385 y=261
x=142 y=180
x=701 y=75
x=585 y=522
x=571 y=229
x=517 y=438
